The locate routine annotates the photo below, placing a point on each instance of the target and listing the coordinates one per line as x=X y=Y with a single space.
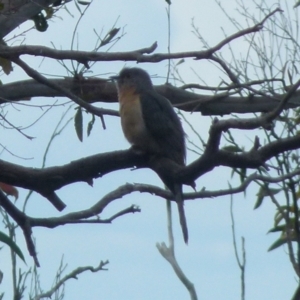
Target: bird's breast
x=132 y=118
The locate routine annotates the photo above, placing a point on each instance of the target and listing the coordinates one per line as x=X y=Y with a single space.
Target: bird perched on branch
x=151 y=125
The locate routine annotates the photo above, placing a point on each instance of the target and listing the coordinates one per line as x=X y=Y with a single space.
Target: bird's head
x=133 y=78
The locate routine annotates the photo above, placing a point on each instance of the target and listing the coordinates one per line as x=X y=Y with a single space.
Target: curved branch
x=45 y=181
x=252 y=159
x=136 y=55
x=72 y=275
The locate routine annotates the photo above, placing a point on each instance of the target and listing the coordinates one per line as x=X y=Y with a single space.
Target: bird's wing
x=164 y=125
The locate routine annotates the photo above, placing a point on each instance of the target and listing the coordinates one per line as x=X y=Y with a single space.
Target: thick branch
x=50 y=179
x=101 y=90
x=17 y=12
x=252 y=159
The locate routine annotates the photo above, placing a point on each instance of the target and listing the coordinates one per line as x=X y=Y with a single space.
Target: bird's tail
x=182 y=219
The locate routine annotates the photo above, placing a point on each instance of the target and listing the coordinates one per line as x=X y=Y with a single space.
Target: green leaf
x=181 y=61
x=8 y=241
x=243 y=174
x=109 y=36
x=81 y=2
x=258 y=202
x=263 y=192
x=277 y=229
x=260 y=197
x=78 y=122
x=280 y=242
x=90 y=125
x=232 y=148
x=6 y=65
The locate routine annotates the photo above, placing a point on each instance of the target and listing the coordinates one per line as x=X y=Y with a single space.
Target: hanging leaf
x=263 y=192
x=260 y=197
x=9 y=190
x=232 y=148
x=181 y=61
x=277 y=229
x=6 y=65
x=90 y=125
x=78 y=122
x=243 y=174
x=14 y=247
x=278 y=217
x=281 y=241
x=81 y=2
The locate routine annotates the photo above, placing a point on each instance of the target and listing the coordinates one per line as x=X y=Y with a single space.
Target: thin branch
x=136 y=55
x=169 y=256
x=41 y=79
x=241 y=264
x=72 y=275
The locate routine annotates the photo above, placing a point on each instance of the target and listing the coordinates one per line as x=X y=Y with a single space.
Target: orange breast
x=131 y=116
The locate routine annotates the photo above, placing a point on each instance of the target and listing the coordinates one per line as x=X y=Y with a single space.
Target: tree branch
x=140 y=55
x=71 y=275
x=17 y=12
x=101 y=90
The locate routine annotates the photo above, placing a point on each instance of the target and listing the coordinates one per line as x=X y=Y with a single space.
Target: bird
x=151 y=125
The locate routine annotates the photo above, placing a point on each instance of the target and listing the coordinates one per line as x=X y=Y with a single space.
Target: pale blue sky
x=136 y=269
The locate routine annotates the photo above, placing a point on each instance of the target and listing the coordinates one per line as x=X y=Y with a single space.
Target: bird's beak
x=115 y=77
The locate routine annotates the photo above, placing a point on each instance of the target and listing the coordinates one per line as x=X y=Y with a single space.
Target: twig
x=72 y=275
x=41 y=79
x=241 y=264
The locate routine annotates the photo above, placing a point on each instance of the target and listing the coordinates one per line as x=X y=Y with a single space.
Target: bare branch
x=136 y=55
x=72 y=275
x=41 y=79
x=101 y=90
x=168 y=254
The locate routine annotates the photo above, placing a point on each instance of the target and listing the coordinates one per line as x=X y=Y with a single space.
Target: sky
x=136 y=270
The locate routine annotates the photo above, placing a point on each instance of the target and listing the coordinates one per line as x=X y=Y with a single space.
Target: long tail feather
x=179 y=201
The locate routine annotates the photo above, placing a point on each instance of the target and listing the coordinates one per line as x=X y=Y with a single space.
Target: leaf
x=232 y=149
x=259 y=201
x=6 y=65
x=277 y=228
x=181 y=61
x=278 y=218
x=9 y=190
x=78 y=122
x=260 y=197
x=280 y=242
x=243 y=174
x=90 y=125
x=81 y=2
x=14 y=247
x=263 y=192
